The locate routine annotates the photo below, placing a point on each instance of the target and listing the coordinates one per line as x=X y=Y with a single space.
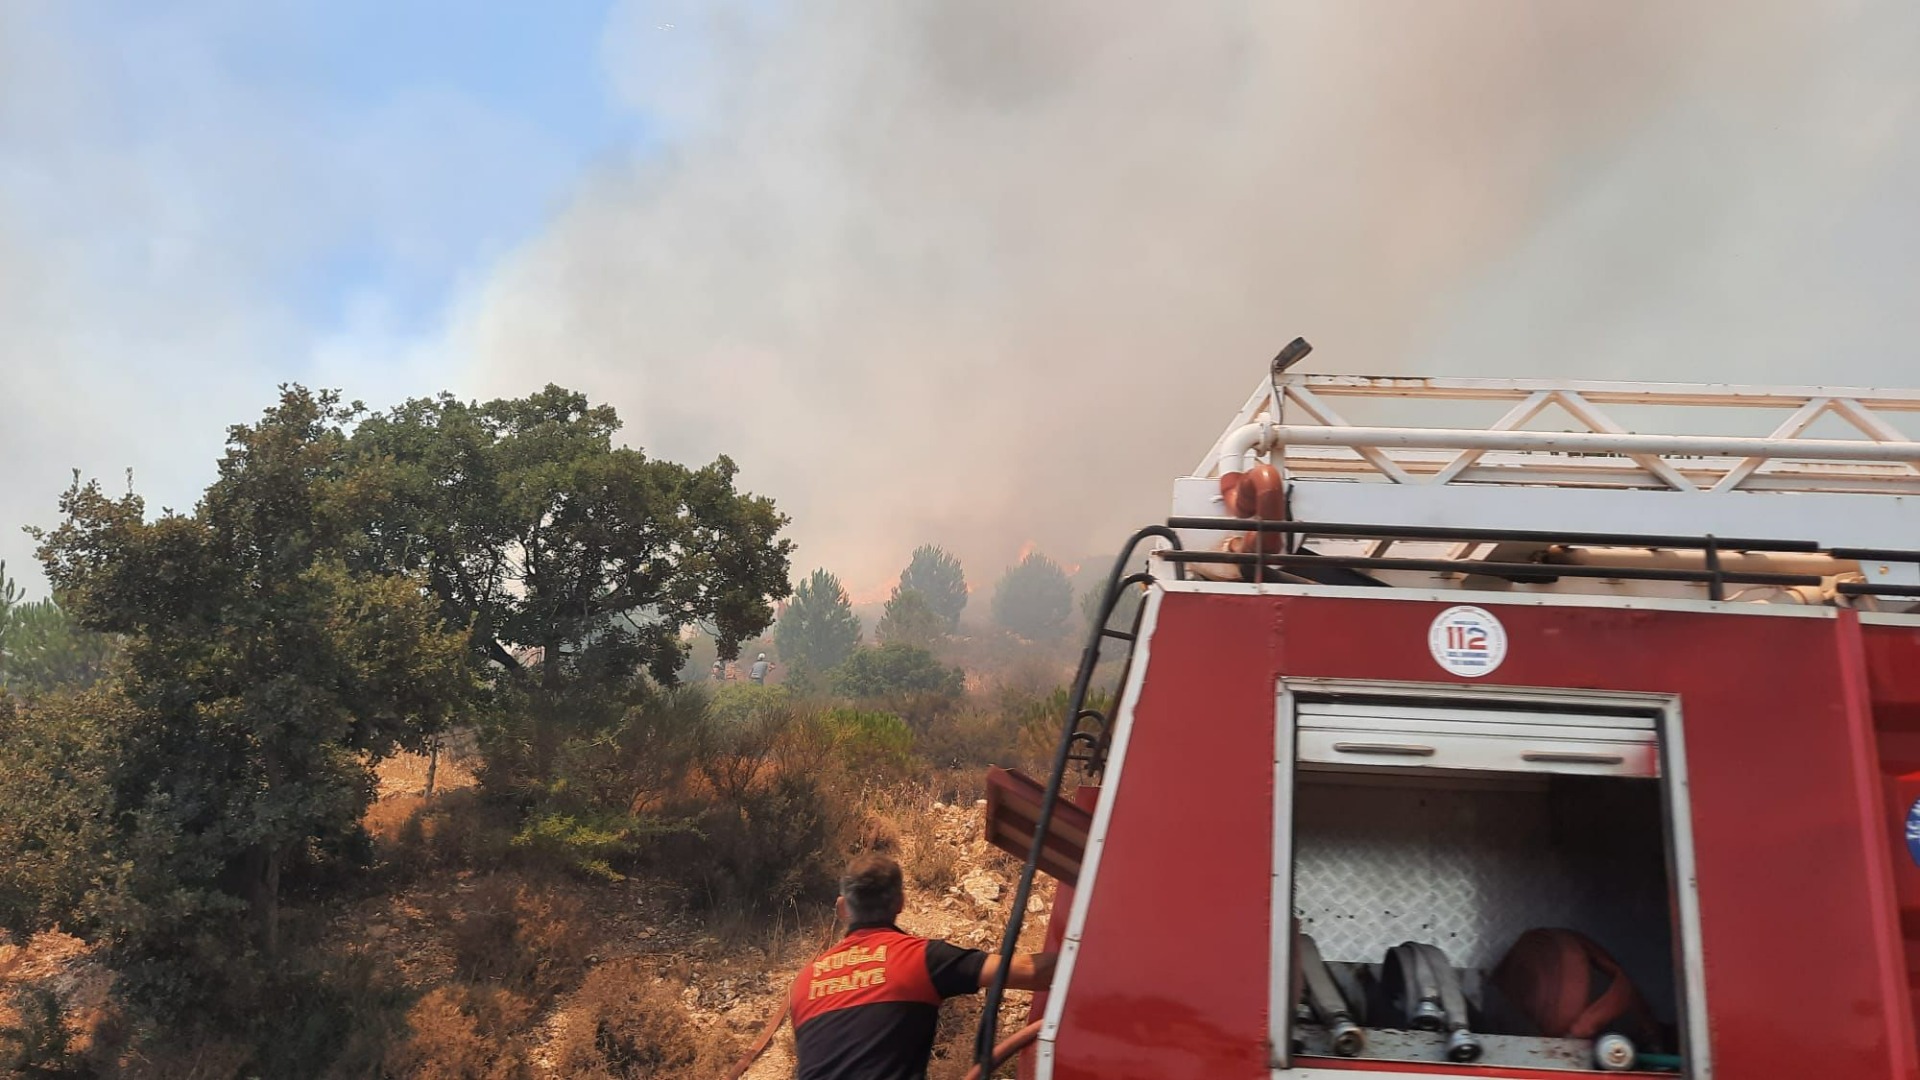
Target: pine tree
x=937 y=577
x=910 y=620
x=1034 y=599
x=819 y=629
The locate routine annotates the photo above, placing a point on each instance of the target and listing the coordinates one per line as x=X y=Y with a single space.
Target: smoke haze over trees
x=1033 y=598
x=988 y=237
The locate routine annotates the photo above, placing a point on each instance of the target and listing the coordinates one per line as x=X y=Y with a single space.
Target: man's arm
x=1029 y=971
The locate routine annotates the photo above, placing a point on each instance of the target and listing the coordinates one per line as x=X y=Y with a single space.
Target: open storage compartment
x=1484 y=882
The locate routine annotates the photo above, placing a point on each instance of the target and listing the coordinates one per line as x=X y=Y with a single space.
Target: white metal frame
x=1676 y=799
x=1597 y=477
x=1311 y=438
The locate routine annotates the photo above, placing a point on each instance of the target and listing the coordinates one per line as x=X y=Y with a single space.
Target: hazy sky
x=982 y=271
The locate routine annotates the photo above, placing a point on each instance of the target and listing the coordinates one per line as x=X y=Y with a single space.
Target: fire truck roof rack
x=1291 y=563
x=1682 y=474
x=1559 y=469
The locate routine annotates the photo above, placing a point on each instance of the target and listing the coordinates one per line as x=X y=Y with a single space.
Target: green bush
x=39 y=1046
x=593 y=842
x=895 y=669
x=762 y=850
x=57 y=753
x=971 y=739
x=871 y=745
x=736 y=703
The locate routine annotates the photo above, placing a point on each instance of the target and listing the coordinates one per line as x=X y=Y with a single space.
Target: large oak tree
x=264 y=676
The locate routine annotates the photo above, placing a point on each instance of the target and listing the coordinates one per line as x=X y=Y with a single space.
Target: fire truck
x=1583 y=740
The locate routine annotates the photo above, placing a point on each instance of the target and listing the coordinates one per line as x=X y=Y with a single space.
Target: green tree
x=895 y=669
x=818 y=630
x=572 y=563
x=57 y=755
x=910 y=620
x=937 y=576
x=265 y=675
x=1033 y=598
x=9 y=599
x=47 y=648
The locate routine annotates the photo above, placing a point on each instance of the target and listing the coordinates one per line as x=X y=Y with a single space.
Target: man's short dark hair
x=872 y=888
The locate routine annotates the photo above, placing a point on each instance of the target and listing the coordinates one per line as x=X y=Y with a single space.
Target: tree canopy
x=43 y=648
x=910 y=620
x=1033 y=598
x=535 y=532
x=937 y=577
x=818 y=630
x=264 y=672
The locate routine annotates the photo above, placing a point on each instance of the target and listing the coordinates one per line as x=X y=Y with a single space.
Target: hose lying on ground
x=779 y=1016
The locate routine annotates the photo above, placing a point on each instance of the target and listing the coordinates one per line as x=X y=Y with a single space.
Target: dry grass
x=464 y=1033
x=625 y=1022
x=530 y=939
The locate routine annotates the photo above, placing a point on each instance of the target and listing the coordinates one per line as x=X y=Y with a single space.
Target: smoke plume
x=989 y=273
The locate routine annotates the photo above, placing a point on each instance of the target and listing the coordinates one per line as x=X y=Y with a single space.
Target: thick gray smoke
x=981 y=272
x=990 y=273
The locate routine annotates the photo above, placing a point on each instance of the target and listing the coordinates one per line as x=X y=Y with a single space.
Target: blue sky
x=511 y=74
x=204 y=199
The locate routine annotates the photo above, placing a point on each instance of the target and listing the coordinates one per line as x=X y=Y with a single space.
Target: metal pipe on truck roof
x=1588 y=442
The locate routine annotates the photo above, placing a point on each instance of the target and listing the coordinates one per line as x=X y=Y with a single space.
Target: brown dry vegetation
x=469 y=955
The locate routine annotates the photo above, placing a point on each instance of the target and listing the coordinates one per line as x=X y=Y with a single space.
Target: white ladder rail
x=1298 y=427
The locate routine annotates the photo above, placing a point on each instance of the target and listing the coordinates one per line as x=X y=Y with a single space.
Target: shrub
x=871 y=745
x=39 y=1044
x=56 y=754
x=893 y=670
x=972 y=737
x=456 y=830
x=762 y=849
x=530 y=940
x=737 y=703
x=624 y=1022
x=464 y=1033
x=909 y=619
x=593 y=842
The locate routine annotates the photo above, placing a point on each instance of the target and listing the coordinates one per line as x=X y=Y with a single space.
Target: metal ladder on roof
x=1520 y=471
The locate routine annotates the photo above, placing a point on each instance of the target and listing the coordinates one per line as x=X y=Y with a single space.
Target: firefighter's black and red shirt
x=867 y=1008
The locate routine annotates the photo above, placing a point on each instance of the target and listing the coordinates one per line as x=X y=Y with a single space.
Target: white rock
x=981 y=888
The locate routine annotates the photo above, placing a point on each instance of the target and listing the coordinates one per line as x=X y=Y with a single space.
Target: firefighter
x=867 y=1008
x=758 y=673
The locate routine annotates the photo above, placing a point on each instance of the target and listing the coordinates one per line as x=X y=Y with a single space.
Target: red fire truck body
x=1345 y=753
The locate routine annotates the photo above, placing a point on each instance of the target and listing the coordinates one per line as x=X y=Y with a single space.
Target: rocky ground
x=730 y=978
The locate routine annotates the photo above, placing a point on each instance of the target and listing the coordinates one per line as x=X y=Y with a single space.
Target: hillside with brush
x=458 y=743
